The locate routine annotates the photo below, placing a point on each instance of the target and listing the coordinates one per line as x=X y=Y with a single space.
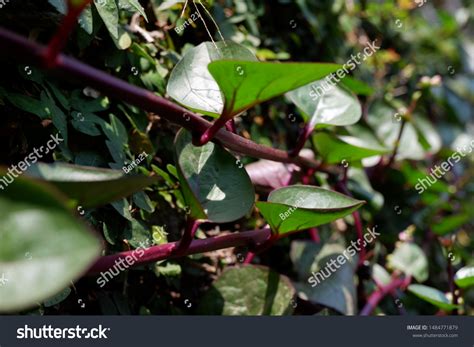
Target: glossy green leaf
x=334 y=149
x=245 y=84
x=334 y=289
x=215 y=186
x=433 y=296
x=248 y=291
x=410 y=259
x=88 y=186
x=108 y=11
x=43 y=247
x=465 y=277
x=386 y=124
x=192 y=85
x=132 y=6
x=323 y=103
x=450 y=224
x=301 y=207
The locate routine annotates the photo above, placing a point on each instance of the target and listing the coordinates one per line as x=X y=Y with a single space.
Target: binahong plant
x=210 y=88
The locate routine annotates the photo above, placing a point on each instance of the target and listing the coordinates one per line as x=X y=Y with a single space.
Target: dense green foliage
x=126 y=179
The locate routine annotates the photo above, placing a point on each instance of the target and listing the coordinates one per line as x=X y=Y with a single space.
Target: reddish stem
x=230 y=126
x=252 y=238
x=211 y=132
x=249 y=257
x=74 y=70
x=397 y=145
x=302 y=138
x=381 y=292
x=314 y=234
x=360 y=236
x=188 y=236
x=59 y=40
x=306 y=178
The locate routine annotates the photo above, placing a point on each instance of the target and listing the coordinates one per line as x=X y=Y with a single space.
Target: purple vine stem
x=302 y=138
x=188 y=236
x=31 y=52
x=252 y=238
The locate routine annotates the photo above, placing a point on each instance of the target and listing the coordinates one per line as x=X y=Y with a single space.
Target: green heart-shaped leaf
x=323 y=103
x=433 y=296
x=90 y=186
x=248 y=291
x=386 y=123
x=42 y=246
x=334 y=289
x=301 y=207
x=465 y=277
x=245 y=83
x=410 y=259
x=192 y=85
x=216 y=186
x=335 y=149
